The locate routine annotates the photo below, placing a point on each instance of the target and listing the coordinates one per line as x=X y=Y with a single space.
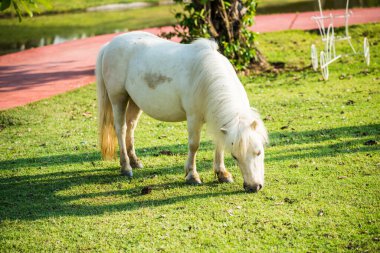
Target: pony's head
x=246 y=143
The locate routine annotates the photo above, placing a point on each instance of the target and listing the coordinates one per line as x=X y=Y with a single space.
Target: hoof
x=225 y=180
x=193 y=179
x=224 y=177
x=136 y=165
x=127 y=173
x=253 y=189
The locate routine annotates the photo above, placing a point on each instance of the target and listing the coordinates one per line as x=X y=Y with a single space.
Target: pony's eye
x=258 y=153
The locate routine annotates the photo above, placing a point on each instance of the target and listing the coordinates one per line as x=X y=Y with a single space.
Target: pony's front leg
x=194 y=127
x=220 y=170
x=119 y=110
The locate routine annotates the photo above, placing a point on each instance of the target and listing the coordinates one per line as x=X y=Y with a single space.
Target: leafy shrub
x=226 y=21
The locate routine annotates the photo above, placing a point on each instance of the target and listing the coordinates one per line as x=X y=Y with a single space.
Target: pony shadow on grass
x=32 y=197
x=40 y=196
x=94 y=157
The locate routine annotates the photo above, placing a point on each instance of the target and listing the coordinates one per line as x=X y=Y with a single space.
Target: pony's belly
x=172 y=116
x=161 y=105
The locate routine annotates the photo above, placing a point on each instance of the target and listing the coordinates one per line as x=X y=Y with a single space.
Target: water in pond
x=11 y=47
x=267 y=8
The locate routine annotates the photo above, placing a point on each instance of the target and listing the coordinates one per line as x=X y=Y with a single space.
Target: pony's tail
x=107 y=135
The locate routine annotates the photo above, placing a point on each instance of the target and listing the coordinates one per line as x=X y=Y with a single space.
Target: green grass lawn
x=321 y=191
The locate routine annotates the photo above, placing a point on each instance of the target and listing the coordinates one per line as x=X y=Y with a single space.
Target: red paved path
x=39 y=73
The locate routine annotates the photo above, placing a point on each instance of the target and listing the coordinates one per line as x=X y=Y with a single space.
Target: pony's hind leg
x=133 y=114
x=194 y=130
x=220 y=170
x=119 y=107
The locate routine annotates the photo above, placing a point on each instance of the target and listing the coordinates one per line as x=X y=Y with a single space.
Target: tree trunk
x=225 y=24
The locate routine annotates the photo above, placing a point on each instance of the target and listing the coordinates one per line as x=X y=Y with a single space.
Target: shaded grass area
x=321 y=191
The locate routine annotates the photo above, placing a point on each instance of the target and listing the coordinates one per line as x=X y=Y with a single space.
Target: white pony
x=139 y=71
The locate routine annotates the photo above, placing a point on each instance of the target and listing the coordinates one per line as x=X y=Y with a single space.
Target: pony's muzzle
x=252 y=188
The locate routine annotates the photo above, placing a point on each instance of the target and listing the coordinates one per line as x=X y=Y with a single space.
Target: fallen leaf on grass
x=370 y=142
x=152 y=176
x=165 y=152
x=268 y=118
x=290 y=201
x=146 y=190
x=278 y=65
x=86 y=114
x=365 y=72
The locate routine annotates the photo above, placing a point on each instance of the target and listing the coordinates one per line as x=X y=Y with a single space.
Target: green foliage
x=321 y=191
x=241 y=53
x=225 y=21
x=23 y=6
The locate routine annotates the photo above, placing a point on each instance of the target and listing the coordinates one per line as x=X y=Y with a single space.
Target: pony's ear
x=254 y=125
x=223 y=130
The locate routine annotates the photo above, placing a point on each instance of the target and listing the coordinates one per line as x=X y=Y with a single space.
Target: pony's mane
x=214 y=81
x=241 y=135
x=225 y=100
x=244 y=137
